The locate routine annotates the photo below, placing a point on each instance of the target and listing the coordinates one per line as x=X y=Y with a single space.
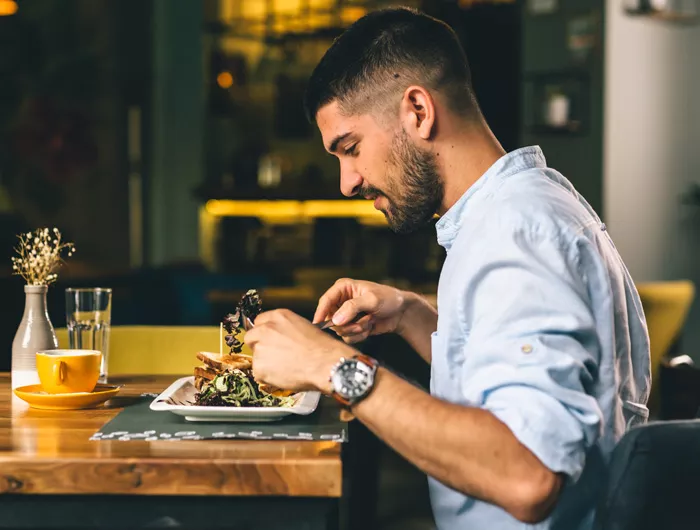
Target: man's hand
x=290 y=353
x=346 y=298
x=389 y=310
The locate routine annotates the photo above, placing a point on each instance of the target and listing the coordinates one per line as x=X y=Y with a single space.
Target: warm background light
x=282 y=17
x=8 y=7
x=225 y=80
x=300 y=211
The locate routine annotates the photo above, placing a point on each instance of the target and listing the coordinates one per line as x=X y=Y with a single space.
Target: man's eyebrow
x=334 y=144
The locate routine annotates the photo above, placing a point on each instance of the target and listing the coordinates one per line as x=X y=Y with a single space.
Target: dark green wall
x=177 y=131
x=546 y=52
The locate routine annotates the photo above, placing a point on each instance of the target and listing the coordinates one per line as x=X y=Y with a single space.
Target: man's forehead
x=332 y=123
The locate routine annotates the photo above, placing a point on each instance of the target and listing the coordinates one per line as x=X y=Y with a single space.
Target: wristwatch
x=353 y=379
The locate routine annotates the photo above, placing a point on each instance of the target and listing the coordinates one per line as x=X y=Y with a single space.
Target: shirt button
x=526 y=348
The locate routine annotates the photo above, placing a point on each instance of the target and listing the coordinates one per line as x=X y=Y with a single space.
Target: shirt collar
x=519 y=160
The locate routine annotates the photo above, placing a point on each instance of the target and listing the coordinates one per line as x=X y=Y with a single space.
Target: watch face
x=352 y=379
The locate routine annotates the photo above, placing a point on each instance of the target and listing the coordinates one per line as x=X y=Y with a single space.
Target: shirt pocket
x=446 y=366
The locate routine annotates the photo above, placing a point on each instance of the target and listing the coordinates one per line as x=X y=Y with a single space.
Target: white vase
x=35 y=333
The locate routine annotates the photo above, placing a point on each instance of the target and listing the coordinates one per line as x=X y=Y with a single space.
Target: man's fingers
x=251 y=336
x=333 y=298
x=327 y=316
x=362 y=325
x=351 y=329
x=349 y=310
x=353 y=339
x=264 y=318
x=328 y=304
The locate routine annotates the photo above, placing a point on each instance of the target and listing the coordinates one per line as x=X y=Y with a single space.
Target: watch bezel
x=340 y=391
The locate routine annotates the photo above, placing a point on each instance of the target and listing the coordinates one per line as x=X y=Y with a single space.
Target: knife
x=248 y=324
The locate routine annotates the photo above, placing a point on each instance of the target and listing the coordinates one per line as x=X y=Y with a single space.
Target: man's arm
x=417 y=324
x=523 y=415
x=519 y=372
x=465 y=448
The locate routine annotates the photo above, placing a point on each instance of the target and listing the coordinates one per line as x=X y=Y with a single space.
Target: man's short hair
x=371 y=64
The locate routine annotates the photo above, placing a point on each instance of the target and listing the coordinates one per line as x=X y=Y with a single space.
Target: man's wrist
x=411 y=303
x=322 y=368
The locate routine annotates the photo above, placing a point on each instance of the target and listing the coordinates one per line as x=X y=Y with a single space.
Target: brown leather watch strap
x=366 y=359
x=340 y=399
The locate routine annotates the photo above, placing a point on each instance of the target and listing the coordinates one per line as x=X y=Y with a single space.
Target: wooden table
x=52 y=475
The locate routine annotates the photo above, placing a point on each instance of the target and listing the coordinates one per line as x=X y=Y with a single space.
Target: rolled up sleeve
x=532 y=353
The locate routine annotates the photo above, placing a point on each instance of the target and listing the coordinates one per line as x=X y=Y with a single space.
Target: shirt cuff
x=543 y=425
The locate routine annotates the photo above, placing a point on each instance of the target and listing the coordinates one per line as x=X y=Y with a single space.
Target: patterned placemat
x=138 y=422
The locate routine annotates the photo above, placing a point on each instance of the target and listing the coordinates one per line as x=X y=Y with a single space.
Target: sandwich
x=226 y=379
x=214 y=364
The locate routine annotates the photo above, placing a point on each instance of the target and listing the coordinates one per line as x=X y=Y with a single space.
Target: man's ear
x=417 y=112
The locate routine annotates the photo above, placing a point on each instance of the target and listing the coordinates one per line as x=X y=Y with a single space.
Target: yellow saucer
x=39 y=399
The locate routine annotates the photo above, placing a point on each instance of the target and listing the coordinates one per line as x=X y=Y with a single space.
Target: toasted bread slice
x=274 y=390
x=226 y=361
x=199 y=382
x=205 y=373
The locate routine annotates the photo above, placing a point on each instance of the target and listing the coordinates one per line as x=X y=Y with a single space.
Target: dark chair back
x=654 y=479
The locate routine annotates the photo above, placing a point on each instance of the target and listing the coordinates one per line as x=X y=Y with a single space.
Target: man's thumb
x=346 y=313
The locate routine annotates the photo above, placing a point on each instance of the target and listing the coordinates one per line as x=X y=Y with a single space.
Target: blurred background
x=167 y=140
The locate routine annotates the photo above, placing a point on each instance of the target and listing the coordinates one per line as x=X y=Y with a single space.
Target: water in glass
x=88 y=319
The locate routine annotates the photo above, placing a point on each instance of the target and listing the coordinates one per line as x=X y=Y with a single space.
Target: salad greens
x=250 y=306
x=237 y=388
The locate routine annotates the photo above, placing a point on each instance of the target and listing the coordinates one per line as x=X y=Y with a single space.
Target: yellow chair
x=666 y=306
x=156 y=350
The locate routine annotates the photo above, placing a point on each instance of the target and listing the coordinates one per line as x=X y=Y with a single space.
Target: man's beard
x=416 y=188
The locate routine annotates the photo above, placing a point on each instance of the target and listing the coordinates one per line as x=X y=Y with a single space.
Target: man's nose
x=350 y=181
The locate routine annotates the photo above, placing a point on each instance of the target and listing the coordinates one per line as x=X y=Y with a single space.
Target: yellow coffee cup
x=67 y=371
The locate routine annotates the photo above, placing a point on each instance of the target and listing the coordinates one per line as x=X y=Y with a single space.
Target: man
x=540 y=355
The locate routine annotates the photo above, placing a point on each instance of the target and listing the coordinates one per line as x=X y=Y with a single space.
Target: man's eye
x=352 y=150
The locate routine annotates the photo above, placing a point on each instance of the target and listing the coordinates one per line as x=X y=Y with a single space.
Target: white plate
x=176 y=397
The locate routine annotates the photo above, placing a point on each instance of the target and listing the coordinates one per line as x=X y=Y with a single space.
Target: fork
x=247 y=323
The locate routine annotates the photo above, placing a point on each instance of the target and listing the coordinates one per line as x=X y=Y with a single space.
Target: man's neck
x=464 y=155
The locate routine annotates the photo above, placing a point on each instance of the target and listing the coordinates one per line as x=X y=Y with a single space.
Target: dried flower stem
x=40 y=256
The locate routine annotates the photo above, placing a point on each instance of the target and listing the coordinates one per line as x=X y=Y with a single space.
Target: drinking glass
x=89 y=319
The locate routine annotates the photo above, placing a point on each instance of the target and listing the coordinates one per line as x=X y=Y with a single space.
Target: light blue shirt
x=539 y=323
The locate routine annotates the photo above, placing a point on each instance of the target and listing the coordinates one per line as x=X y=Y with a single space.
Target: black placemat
x=138 y=422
